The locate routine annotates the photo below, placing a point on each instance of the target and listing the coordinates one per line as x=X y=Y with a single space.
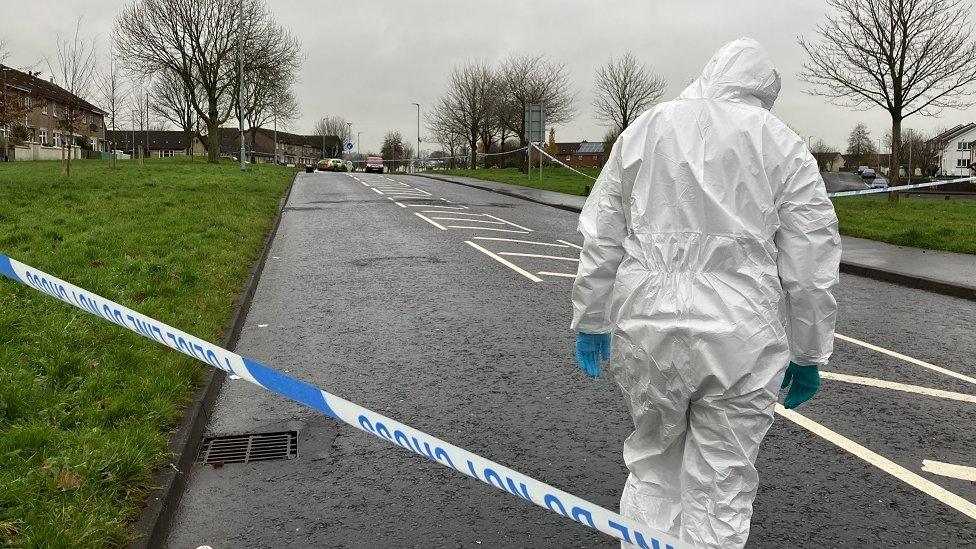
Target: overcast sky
x=369 y=60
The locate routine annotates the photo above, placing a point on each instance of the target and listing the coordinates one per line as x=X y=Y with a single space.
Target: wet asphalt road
x=366 y=299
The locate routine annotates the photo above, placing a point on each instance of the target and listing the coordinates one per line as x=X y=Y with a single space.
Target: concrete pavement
x=446 y=307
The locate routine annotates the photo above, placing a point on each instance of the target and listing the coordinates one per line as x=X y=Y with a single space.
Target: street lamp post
x=348 y=132
x=357 y=142
x=418 y=134
x=322 y=153
x=240 y=81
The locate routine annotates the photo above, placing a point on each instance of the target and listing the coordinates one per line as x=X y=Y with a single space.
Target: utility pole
x=147 y=120
x=322 y=156
x=240 y=79
x=357 y=142
x=276 y=138
x=418 y=136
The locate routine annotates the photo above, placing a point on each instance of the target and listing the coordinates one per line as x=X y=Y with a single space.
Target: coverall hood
x=740 y=71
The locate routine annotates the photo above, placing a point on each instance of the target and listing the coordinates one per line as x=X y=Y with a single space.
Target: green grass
x=85 y=406
x=553 y=179
x=948 y=225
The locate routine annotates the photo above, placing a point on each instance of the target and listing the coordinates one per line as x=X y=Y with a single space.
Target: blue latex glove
x=803 y=382
x=591 y=350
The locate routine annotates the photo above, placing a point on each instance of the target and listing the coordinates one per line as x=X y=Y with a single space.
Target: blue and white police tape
x=901 y=187
x=436 y=450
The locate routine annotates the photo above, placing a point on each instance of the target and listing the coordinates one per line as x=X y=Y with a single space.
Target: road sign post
x=535 y=130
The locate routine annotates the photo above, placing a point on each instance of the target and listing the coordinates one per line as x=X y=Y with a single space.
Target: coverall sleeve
x=808 y=262
x=604 y=227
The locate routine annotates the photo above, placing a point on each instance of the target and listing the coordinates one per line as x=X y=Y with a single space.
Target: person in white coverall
x=710 y=251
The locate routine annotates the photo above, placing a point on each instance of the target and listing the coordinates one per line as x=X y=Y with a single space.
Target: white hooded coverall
x=710 y=250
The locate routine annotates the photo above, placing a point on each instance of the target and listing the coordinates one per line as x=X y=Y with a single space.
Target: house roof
x=953 y=132
x=591 y=147
x=230 y=140
x=567 y=148
x=158 y=139
x=21 y=80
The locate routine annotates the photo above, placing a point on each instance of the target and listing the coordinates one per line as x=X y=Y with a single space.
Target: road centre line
x=882 y=384
x=960 y=472
x=520 y=241
x=519 y=254
x=563 y=275
x=504 y=262
x=486 y=229
x=918 y=482
x=434 y=223
x=906 y=358
x=570 y=244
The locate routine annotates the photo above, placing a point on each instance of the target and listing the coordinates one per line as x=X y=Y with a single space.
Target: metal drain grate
x=248 y=448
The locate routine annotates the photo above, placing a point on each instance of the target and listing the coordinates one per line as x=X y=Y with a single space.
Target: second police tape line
x=427 y=446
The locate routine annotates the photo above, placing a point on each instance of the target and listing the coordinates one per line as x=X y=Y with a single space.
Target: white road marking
x=275 y=257
x=906 y=358
x=960 y=472
x=453 y=213
x=882 y=384
x=509 y=222
x=518 y=254
x=951 y=499
x=262 y=325
x=504 y=262
x=432 y=222
x=570 y=244
x=377 y=190
x=486 y=229
x=564 y=275
x=519 y=241
x=469 y=220
x=395 y=202
x=436 y=206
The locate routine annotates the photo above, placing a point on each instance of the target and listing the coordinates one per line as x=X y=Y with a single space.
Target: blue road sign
x=348 y=146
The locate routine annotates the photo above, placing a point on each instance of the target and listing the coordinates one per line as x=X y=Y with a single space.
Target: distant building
x=830 y=161
x=955 y=149
x=160 y=144
x=49 y=111
x=579 y=154
x=259 y=145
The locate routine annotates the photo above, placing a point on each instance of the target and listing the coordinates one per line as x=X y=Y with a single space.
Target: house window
x=54 y=110
x=57 y=139
x=165 y=153
x=94 y=144
x=44 y=108
x=5 y=131
x=43 y=138
x=963 y=146
x=962 y=162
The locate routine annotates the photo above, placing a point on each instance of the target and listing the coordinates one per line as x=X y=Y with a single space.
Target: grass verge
x=85 y=407
x=553 y=179
x=947 y=225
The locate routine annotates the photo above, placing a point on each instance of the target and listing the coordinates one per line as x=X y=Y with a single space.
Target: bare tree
x=532 y=79
x=467 y=107
x=198 y=40
x=625 y=88
x=443 y=132
x=334 y=126
x=822 y=152
x=172 y=102
x=73 y=70
x=4 y=51
x=905 y=56
x=393 y=149
x=860 y=145
x=112 y=92
x=917 y=151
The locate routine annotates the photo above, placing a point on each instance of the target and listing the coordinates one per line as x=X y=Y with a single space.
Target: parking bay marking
x=504 y=262
x=563 y=275
x=882 y=384
x=960 y=472
x=570 y=244
x=469 y=220
x=556 y=257
x=922 y=484
x=906 y=358
x=519 y=241
x=431 y=221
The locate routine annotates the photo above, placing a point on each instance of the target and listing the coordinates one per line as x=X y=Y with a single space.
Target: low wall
x=34 y=151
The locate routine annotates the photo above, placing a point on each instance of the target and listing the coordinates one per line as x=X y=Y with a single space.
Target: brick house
x=292 y=148
x=161 y=143
x=42 y=134
x=588 y=154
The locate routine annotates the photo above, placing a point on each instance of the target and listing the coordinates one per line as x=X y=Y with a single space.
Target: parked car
x=332 y=165
x=868 y=174
x=879 y=183
x=374 y=164
x=860 y=169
